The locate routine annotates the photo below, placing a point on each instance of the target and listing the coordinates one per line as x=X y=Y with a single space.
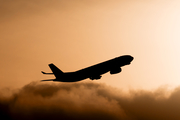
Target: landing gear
x=95 y=77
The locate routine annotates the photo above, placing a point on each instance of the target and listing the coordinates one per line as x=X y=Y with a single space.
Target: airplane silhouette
x=92 y=72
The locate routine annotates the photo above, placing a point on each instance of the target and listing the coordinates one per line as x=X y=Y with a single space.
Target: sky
x=75 y=34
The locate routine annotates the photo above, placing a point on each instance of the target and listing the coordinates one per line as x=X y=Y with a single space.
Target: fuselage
x=95 y=71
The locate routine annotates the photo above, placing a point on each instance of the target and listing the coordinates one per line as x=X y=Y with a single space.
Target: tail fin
x=56 y=71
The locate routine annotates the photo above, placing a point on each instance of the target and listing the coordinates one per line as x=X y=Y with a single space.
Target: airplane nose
x=131 y=58
x=127 y=58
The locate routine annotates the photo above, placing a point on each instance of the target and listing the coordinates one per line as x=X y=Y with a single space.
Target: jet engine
x=115 y=70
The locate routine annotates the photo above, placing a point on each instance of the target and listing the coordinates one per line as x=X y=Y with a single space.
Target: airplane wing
x=48 y=80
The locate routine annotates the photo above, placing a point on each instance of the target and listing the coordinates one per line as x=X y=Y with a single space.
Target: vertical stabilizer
x=56 y=71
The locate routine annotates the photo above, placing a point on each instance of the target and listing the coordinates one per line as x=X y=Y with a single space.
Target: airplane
x=93 y=72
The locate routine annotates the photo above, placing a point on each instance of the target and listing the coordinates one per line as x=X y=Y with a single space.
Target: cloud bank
x=42 y=101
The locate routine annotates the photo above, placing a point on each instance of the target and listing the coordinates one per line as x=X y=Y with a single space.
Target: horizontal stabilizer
x=43 y=72
x=46 y=73
x=48 y=80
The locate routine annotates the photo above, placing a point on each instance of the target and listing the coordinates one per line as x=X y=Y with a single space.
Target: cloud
x=61 y=101
x=88 y=101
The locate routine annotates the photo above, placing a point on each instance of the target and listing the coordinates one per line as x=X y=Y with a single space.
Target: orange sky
x=76 y=34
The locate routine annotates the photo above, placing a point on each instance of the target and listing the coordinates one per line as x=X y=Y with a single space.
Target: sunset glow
x=75 y=34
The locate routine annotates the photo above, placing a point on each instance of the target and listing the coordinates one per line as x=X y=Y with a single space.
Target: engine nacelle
x=115 y=70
